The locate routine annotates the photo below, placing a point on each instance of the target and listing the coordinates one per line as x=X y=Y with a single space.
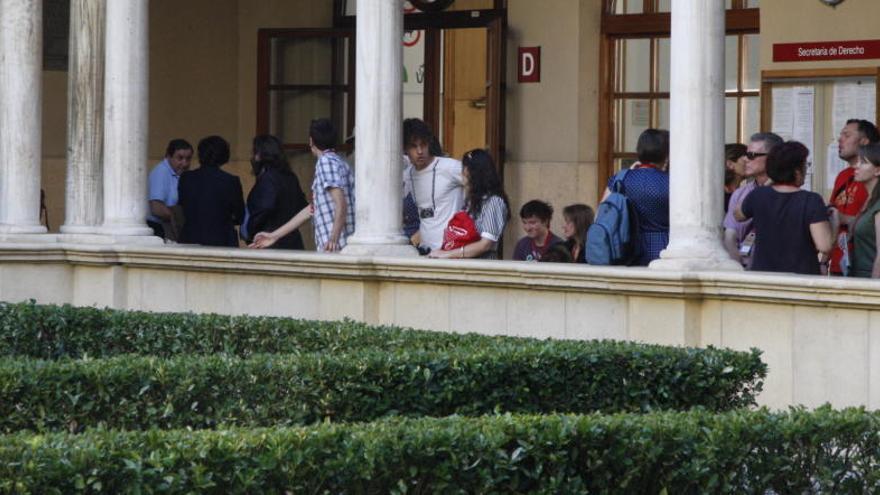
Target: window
x=635 y=84
x=304 y=74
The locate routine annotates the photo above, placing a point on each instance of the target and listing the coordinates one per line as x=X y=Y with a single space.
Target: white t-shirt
x=436 y=186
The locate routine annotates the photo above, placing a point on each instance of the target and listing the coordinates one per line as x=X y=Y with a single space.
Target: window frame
x=265 y=86
x=652 y=25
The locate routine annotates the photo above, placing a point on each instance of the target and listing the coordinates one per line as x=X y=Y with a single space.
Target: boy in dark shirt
x=535 y=216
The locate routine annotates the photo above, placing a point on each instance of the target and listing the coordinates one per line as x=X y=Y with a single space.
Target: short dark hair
x=653 y=146
x=785 y=160
x=323 y=134
x=416 y=130
x=177 y=144
x=537 y=208
x=770 y=140
x=213 y=151
x=867 y=129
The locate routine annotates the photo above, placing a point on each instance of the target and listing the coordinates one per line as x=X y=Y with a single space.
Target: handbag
x=460 y=231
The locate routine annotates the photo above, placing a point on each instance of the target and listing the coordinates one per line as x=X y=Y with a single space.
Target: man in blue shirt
x=163 y=186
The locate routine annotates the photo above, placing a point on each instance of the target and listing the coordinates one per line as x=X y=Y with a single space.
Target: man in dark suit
x=211 y=199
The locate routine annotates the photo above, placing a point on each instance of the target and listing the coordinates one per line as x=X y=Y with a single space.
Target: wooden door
x=465 y=95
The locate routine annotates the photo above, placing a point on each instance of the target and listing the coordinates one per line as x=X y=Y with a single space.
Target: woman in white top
x=485 y=202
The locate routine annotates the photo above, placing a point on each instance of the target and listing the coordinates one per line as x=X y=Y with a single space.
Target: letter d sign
x=529 y=64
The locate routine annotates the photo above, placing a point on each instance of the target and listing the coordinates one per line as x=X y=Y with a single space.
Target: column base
x=80 y=229
x=22 y=229
x=395 y=245
x=28 y=238
x=695 y=260
x=107 y=238
x=125 y=230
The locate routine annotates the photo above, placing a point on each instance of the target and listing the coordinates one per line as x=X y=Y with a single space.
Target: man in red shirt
x=848 y=196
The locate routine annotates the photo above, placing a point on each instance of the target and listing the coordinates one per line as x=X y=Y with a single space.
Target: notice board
x=812 y=106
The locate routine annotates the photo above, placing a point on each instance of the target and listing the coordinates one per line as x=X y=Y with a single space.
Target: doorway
x=453 y=78
x=457 y=58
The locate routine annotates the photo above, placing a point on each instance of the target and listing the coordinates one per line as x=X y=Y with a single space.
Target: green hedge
x=697 y=452
x=134 y=392
x=51 y=332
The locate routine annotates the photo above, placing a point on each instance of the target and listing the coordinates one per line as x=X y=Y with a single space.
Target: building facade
x=142 y=72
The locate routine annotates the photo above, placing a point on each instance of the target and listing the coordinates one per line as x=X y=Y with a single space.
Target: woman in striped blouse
x=485 y=202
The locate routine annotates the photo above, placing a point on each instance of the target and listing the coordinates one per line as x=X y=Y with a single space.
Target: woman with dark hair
x=211 y=199
x=485 y=202
x=792 y=229
x=734 y=169
x=646 y=186
x=276 y=196
x=865 y=259
x=577 y=218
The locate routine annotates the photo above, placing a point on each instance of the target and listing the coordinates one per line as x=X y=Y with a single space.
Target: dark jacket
x=213 y=205
x=275 y=199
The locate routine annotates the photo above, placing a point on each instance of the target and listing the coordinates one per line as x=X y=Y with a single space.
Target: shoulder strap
x=618 y=186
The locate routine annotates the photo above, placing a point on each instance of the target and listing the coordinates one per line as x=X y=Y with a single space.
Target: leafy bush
x=824 y=451
x=51 y=332
x=135 y=392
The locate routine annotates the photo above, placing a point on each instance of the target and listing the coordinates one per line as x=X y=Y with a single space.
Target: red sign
x=826 y=50
x=528 y=65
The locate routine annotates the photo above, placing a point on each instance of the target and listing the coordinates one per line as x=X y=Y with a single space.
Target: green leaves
x=52 y=332
x=104 y=401
x=202 y=371
x=798 y=451
x=204 y=391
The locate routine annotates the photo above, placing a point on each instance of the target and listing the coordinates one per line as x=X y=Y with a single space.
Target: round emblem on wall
x=832 y=3
x=432 y=5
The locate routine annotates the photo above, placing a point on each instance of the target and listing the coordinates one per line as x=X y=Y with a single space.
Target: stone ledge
x=754 y=287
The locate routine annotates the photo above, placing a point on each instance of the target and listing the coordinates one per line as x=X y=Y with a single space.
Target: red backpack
x=460 y=232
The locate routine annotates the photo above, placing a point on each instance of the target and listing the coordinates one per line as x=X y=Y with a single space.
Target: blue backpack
x=613 y=238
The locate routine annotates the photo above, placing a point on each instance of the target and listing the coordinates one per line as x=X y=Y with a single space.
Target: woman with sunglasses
x=791 y=225
x=865 y=261
x=485 y=202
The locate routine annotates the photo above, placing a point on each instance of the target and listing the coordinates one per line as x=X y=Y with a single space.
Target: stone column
x=85 y=118
x=126 y=93
x=21 y=66
x=696 y=131
x=379 y=113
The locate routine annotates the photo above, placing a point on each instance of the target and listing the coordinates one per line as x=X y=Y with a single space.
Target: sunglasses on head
x=751 y=155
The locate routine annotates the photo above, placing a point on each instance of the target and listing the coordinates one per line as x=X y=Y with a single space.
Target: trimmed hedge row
x=824 y=451
x=52 y=332
x=134 y=392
